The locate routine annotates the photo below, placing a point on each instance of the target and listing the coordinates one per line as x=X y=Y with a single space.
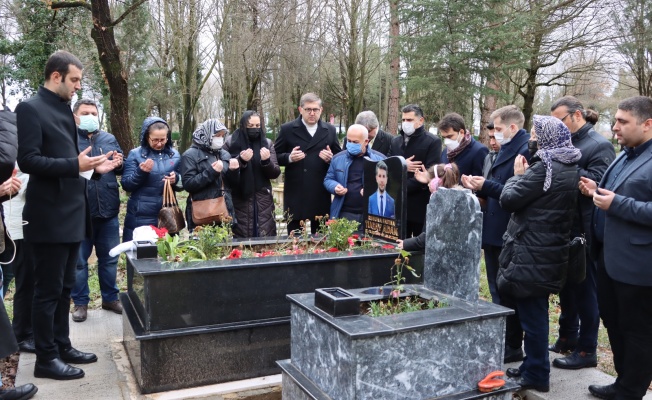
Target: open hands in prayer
x=147 y=165
x=246 y=155
x=264 y=153
x=587 y=186
x=326 y=154
x=87 y=163
x=422 y=174
x=413 y=166
x=297 y=154
x=112 y=162
x=474 y=183
x=520 y=165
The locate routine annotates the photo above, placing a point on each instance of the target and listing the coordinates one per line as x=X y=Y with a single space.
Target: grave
x=435 y=353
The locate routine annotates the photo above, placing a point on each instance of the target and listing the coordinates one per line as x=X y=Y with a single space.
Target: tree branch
x=55 y=5
x=127 y=12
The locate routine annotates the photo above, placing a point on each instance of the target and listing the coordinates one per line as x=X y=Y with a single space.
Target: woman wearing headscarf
x=252 y=199
x=145 y=170
x=207 y=170
x=534 y=260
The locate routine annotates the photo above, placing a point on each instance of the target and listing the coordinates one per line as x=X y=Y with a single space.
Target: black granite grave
x=198 y=323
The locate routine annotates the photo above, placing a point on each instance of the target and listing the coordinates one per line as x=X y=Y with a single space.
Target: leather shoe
x=27 y=346
x=563 y=345
x=114 y=306
x=606 y=392
x=22 y=392
x=56 y=369
x=513 y=372
x=513 y=355
x=525 y=385
x=74 y=356
x=577 y=360
x=79 y=313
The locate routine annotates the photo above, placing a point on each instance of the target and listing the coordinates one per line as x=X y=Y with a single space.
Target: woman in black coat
x=534 y=259
x=252 y=198
x=207 y=170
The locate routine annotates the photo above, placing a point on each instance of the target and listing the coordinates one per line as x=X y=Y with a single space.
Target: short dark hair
x=639 y=106
x=491 y=126
x=60 y=62
x=451 y=121
x=81 y=102
x=413 y=108
x=381 y=165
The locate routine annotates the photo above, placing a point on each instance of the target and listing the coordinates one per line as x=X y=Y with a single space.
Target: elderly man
x=379 y=140
x=344 y=176
x=305 y=148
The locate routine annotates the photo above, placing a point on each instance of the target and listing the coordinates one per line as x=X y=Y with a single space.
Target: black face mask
x=532 y=146
x=253 y=133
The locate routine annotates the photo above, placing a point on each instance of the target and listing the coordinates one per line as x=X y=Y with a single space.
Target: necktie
x=382 y=206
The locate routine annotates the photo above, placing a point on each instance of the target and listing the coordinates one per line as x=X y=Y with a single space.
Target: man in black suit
x=622 y=227
x=379 y=140
x=305 y=147
x=56 y=210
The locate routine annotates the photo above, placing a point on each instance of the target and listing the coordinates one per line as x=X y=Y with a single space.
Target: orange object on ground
x=490 y=383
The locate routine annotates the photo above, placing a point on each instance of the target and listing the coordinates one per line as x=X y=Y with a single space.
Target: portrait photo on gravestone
x=385 y=191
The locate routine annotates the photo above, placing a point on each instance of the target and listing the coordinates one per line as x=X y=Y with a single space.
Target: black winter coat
x=304 y=194
x=471 y=160
x=534 y=259
x=202 y=182
x=254 y=213
x=425 y=147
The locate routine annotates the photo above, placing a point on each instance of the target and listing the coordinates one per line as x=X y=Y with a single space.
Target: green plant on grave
x=337 y=233
x=396 y=273
x=214 y=240
x=172 y=248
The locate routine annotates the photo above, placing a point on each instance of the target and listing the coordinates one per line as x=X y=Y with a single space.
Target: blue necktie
x=382 y=206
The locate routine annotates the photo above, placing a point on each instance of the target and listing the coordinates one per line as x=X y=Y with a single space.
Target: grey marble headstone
x=453 y=243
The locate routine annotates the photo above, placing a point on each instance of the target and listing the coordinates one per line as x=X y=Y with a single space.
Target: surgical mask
x=89 y=123
x=408 y=128
x=451 y=144
x=532 y=146
x=354 y=148
x=500 y=138
x=253 y=133
x=217 y=142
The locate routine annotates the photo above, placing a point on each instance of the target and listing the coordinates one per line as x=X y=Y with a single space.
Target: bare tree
x=633 y=22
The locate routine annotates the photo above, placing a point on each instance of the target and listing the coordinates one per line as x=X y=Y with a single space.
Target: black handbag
x=577 y=260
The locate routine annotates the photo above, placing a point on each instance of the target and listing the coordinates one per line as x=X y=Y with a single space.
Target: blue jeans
x=106 y=235
x=533 y=312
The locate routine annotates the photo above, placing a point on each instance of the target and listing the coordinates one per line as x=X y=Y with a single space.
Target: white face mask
x=500 y=138
x=217 y=142
x=451 y=144
x=89 y=123
x=408 y=128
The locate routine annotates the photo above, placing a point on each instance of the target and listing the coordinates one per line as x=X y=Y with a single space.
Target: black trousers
x=295 y=225
x=626 y=312
x=54 y=277
x=24 y=274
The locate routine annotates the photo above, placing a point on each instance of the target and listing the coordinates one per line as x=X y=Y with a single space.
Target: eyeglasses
x=157 y=140
x=312 y=110
x=565 y=116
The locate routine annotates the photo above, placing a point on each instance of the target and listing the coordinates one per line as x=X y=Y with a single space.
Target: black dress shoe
x=513 y=355
x=562 y=346
x=576 y=360
x=525 y=385
x=56 y=369
x=74 y=356
x=23 y=392
x=606 y=392
x=513 y=372
x=27 y=346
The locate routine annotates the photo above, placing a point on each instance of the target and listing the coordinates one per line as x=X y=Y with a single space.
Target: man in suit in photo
x=305 y=148
x=624 y=212
x=56 y=210
x=379 y=140
x=381 y=203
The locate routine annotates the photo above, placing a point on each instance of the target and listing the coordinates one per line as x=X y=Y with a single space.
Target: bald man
x=344 y=176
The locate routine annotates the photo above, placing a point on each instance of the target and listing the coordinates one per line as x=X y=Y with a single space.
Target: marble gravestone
x=385 y=194
x=453 y=243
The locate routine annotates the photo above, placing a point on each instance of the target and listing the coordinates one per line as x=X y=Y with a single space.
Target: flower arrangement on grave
x=215 y=242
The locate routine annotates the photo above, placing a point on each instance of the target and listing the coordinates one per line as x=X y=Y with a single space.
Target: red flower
x=160 y=232
x=355 y=236
x=351 y=241
x=329 y=222
x=395 y=293
x=388 y=246
x=235 y=254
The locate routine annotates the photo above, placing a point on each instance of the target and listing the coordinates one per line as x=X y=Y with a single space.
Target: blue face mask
x=354 y=148
x=89 y=123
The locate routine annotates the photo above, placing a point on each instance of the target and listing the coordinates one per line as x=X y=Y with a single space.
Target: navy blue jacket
x=103 y=194
x=146 y=188
x=471 y=160
x=494 y=223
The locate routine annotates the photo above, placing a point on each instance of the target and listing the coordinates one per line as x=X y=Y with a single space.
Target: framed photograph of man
x=384 y=193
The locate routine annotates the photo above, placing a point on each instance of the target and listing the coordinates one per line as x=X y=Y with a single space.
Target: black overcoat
x=304 y=195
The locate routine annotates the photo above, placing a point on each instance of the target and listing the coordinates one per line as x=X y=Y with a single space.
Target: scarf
x=554 y=140
x=252 y=178
x=466 y=140
x=203 y=135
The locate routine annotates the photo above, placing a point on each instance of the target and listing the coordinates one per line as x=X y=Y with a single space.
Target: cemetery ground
x=8 y=366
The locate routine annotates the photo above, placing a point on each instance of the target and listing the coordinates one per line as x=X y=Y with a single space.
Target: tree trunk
x=394 y=64
x=116 y=78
